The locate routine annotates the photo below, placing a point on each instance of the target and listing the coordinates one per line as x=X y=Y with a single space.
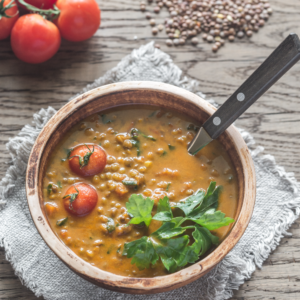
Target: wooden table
x=274 y=121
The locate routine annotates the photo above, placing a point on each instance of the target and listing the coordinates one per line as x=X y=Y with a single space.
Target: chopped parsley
x=105 y=120
x=49 y=188
x=168 y=186
x=68 y=154
x=169 y=243
x=62 y=222
x=164 y=153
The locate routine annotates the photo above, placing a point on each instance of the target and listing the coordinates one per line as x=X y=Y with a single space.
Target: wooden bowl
x=137 y=93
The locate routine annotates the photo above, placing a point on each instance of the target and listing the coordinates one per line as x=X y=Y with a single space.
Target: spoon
x=277 y=64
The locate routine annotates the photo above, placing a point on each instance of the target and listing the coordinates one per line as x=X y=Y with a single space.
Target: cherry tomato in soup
x=87 y=160
x=9 y=14
x=34 y=39
x=80 y=199
x=78 y=19
x=43 y=4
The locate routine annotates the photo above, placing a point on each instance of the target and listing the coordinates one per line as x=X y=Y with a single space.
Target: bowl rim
x=110 y=280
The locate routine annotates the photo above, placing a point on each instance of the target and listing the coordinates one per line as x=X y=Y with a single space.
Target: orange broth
x=160 y=170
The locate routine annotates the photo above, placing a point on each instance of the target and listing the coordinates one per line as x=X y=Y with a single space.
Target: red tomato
x=6 y=24
x=78 y=19
x=84 y=202
x=96 y=161
x=44 y=4
x=34 y=39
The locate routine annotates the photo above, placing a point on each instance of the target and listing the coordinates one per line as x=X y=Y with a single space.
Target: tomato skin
x=34 y=39
x=6 y=24
x=96 y=163
x=43 y=4
x=84 y=203
x=78 y=19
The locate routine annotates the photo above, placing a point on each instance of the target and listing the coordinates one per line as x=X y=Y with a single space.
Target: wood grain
x=274 y=120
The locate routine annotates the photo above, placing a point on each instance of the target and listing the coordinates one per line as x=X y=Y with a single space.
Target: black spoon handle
x=276 y=65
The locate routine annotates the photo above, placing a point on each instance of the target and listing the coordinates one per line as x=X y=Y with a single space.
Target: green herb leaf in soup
x=110 y=225
x=62 y=222
x=105 y=119
x=164 y=211
x=140 y=208
x=142 y=253
x=49 y=188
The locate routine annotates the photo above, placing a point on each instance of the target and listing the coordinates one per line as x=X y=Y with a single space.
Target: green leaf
x=188 y=205
x=135 y=132
x=164 y=211
x=190 y=127
x=163 y=216
x=110 y=225
x=62 y=222
x=164 y=205
x=171 y=147
x=212 y=219
x=140 y=208
x=167 y=231
x=211 y=200
x=189 y=257
x=111 y=247
x=166 y=242
x=72 y=197
x=142 y=251
x=152 y=114
x=136 y=144
x=203 y=240
x=130 y=182
x=172 y=252
x=177 y=220
x=164 y=153
x=105 y=120
x=49 y=188
x=59 y=184
x=168 y=186
x=68 y=154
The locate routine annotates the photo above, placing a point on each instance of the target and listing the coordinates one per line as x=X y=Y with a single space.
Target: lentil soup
x=110 y=156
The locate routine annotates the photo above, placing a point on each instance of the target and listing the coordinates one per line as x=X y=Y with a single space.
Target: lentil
x=227 y=18
x=158 y=172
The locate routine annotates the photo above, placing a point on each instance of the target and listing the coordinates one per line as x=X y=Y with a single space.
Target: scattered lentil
x=217 y=19
x=169 y=43
x=154 y=30
x=152 y=22
x=195 y=41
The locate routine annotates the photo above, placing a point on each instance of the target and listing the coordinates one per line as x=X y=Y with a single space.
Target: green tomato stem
x=50 y=14
x=4 y=8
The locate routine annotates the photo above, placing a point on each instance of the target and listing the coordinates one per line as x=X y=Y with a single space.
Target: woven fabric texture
x=277 y=206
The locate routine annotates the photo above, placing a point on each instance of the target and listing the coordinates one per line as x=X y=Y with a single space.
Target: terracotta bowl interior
x=80 y=108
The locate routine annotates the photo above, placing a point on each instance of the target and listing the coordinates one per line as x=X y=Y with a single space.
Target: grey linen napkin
x=277 y=207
